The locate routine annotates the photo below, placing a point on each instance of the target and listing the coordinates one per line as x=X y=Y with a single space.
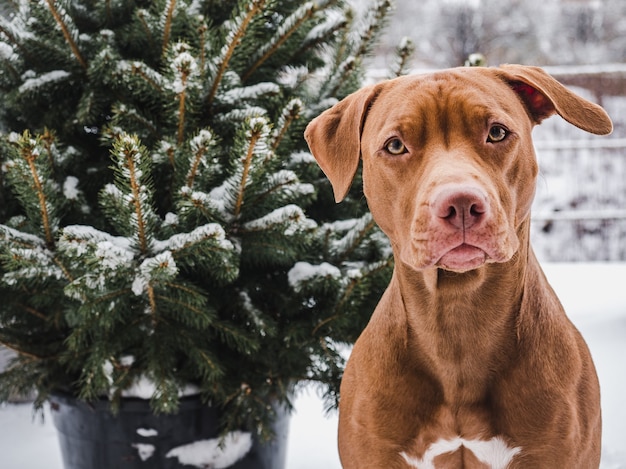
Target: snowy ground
x=593 y=294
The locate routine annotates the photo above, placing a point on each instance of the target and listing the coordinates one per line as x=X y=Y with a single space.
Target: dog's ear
x=544 y=96
x=334 y=138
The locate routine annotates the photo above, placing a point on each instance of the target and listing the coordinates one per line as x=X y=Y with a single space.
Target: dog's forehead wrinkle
x=450 y=104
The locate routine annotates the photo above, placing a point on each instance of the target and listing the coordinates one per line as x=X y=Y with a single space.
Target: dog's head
x=448 y=163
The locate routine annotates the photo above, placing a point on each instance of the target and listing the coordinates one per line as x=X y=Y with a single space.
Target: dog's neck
x=465 y=322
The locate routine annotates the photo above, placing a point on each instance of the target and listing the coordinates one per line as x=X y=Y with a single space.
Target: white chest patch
x=494 y=452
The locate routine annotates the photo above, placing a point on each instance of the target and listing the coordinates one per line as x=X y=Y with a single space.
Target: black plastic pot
x=91 y=437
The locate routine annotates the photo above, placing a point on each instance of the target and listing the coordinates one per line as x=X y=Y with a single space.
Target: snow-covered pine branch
x=247 y=93
x=303 y=272
x=161 y=267
x=29 y=171
x=165 y=22
x=185 y=71
x=237 y=27
x=126 y=117
x=26 y=257
x=339 y=76
x=403 y=54
x=129 y=201
x=289 y=113
x=148 y=75
x=334 y=20
x=353 y=239
x=212 y=232
x=216 y=205
x=252 y=146
x=289 y=220
x=205 y=246
x=370 y=27
x=80 y=240
x=201 y=163
x=284 y=31
x=96 y=257
x=14 y=32
x=42 y=83
x=66 y=24
x=280 y=188
x=239 y=115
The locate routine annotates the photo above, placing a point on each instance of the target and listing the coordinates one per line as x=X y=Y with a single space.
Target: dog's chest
x=493 y=453
x=460 y=437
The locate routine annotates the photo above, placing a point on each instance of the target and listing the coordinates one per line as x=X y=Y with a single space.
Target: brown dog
x=469 y=360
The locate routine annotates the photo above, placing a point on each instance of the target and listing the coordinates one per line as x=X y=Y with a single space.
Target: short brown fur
x=469 y=340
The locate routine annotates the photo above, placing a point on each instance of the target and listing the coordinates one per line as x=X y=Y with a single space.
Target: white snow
x=32 y=83
x=144 y=450
x=203 y=140
x=592 y=293
x=290 y=215
x=147 y=432
x=250 y=92
x=219 y=198
x=6 y=51
x=214 y=453
x=301 y=157
x=303 y=271
x=112 y=256
x=162 y=264
x=145 y=388
x=70 y=188
x=180 y=241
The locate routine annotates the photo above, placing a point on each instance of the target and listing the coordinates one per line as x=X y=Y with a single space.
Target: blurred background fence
x=580 y=206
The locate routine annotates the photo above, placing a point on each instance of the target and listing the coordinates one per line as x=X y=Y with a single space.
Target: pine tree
x=161 y=218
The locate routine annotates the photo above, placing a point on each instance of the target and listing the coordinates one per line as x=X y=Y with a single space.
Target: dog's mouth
x=463 y=258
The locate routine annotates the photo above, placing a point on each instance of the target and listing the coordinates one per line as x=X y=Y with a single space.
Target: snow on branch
x=238 y=115
x=354 y=237
x=133 y=182
x=301 y=157
x=218 y=453
x=371 y=26
x=34 y=84
x=339 y=77
x=29 y=172
x=198 y=159
x=68 y=28
x=28 y=255
x=161 y=267
x=284 y=31
x=256 y=134
x=153 y=78
x=166 y=23
x=236 y=95
x=286 y=185
x=303 y=272
x=19 y=238
x=185 y=69
x=237 y=29
x=209 y=205
x=289 y=218
x=180 y=241
x=113 y=252
x=333 y=20
x=14 y=31
x=290 y=113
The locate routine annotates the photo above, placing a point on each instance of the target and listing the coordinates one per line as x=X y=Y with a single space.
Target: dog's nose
x=461 y=207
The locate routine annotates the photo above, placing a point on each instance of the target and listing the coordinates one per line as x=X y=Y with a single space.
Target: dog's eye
x=395 y=146
x=497 y=133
